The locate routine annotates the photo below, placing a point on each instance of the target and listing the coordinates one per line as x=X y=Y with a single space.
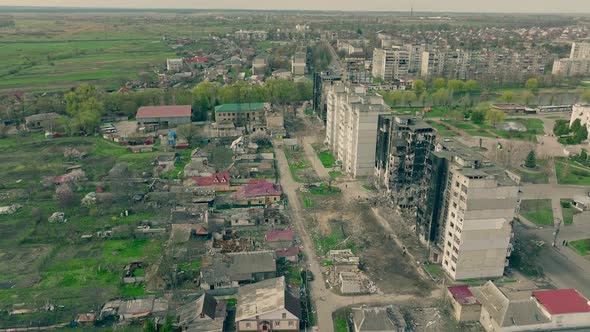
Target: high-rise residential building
x=391 y=64
x=468 y=211
x=351 y=126
x=582 y=113
x=578 y=64
x=580 y=51
x=403 y=145
x=321 y=82
x=299 y=62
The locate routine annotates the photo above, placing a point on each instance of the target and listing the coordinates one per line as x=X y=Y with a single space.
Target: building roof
x=212 y=180
x=238 y=266
x=507 y=312
x=278 y=235
x=375 y=319
x=164 y=111
x=243 y=107
x=463 y=295
x=259 y=188
x=287 y=252
x=41 y=117
x=562 y=301
x=265 y=297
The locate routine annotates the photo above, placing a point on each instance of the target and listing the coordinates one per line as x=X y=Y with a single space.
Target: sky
x=517 y=6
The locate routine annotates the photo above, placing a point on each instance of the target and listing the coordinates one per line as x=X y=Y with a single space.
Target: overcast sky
x=526 y=6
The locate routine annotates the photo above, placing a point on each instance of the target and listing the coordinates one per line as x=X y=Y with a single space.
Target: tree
x=409 y=98
x=527 y=98
x=478 y=116
x=495 y=116
x=149 y=326
x=472 y=86
x=507 y=97
x=65 y=195
x=581 y=134
x=419 y=86
x=532 y=84
x=561 y=127
x=85 y=106
x=531 y=160
x=168 y=325
x=440 y=83
x=456 y=86
x=187 y=131
x=442 y=97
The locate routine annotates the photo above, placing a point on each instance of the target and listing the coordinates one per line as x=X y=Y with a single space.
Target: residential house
x=290 y=254
x=377 y=319
x=279 y=238
x=241 y=114
x=566 y=308
x=466 y=307
x=259 y=66
x=282 y=74
x=234 y=269
x=167 y=159
x=219 y=181
x=174 y=65
x=138 y=308
x=163 y=116
x=267 y=306
x=205 y=314
x=43 y=121
x=258 y=191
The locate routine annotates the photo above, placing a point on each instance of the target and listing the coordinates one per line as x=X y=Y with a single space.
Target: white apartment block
x=482 y=202
x=351 y=126
x=580 y=51
x=571 y=67
x=581 y=112
x=391 y=64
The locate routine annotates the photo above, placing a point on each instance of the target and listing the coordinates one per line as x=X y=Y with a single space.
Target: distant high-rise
x=578 y=64
x=391 y=64
x=580 y=51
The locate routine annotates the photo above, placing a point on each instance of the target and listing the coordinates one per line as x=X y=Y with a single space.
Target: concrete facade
x=581 y=112
x=298 y=63
x=482 y=201
x=351 y=126
x=580 y=51
x=578 y=64
x=390 y=64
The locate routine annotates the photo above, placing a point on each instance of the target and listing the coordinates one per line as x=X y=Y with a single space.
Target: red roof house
x=258 y=191
x=466 y=307
x=221 y=181
x=290 y=254
x=279 y=235
x=463 y=295
x=562 y=301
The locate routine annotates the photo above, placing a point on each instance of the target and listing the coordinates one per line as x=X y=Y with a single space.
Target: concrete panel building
x=391 y=64
x=580 y=51
x=468 y=212
x=578 y=64
x=403 y=146
x=351 y=126
x=299 y=62
x=174 y=65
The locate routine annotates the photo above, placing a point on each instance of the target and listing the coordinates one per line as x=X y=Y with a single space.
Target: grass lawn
x=568 y=211
x=538 y=211
x=335 y=174
x=570 y=173
x=307 y=201
x=327 y=159
x=582 y=247
x=437 y=112
x=336 y=240
x=479 y=132
x=435 y=271
x=464 y=125
x=298 y=165
x=447 y=133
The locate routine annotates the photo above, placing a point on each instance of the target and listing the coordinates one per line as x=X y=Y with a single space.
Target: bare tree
x=187 y=131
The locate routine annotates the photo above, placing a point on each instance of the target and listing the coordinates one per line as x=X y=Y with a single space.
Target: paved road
x=326 y=301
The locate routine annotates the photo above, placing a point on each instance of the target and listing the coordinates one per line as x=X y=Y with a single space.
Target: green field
x=298 y=165
x=51 y=262
x=537 y=211
x=569 y=172
x=567 y=211
x=582 y=247
x=327 y=159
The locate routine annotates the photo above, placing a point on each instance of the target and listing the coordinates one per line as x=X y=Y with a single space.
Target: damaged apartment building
x=468 y=211
x=403 y=145
x=351 y=126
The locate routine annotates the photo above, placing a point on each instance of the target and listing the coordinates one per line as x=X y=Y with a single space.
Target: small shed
x=466 y=307
x=581 y=203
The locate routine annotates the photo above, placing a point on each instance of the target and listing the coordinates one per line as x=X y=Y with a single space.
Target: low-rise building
x=174 y=65
x=241 y=114
x=42 y=121
x=466 y=307
x=378 y=319
x=279 y=238
x=163 y=116
x=258 y=191
x=234 y=269
x=205 y=314
x=259 y=65
x=299 y=63
x=219 y=181
x=267 y=306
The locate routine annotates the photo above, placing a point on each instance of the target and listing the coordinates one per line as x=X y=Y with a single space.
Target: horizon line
x=16 y=7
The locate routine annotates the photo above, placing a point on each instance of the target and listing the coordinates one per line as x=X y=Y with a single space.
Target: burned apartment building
x=403 y=145
x=321 y=83
x=467 y=212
